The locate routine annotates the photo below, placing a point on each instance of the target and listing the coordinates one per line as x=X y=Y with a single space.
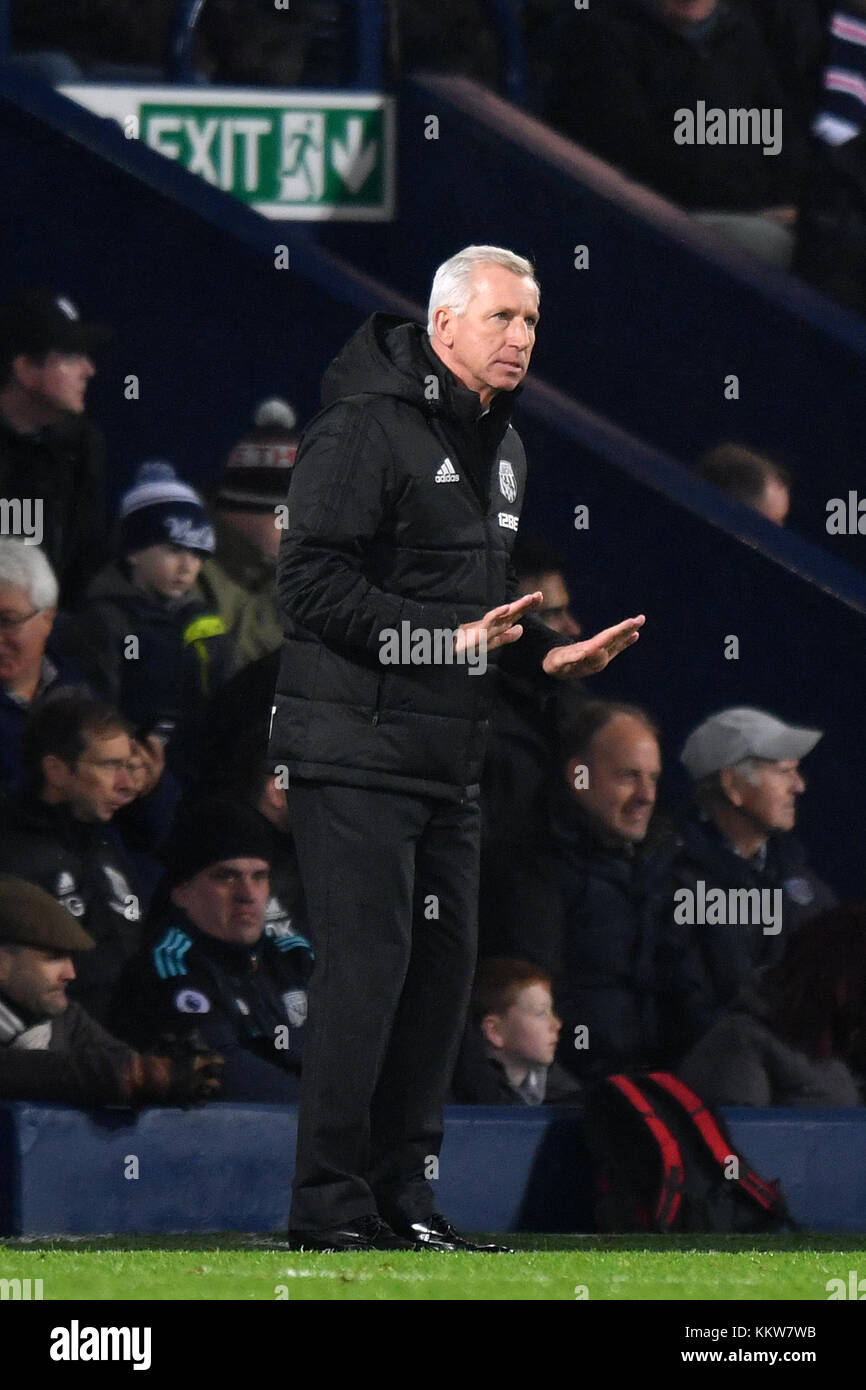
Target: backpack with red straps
x=665 y=1162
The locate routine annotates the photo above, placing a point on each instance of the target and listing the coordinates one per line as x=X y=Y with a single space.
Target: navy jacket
x=723 y=958
x=593 y=915
x=248 y=1003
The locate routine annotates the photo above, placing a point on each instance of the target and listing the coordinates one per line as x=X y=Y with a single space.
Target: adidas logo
x=446 y=473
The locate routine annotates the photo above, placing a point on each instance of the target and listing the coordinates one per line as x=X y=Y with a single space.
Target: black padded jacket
x=403 y=512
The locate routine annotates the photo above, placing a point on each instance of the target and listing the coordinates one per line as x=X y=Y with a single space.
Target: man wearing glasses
x=30 y=667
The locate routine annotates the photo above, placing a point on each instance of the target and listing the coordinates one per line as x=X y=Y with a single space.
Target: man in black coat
x=52 y=460
x=626 y=69
x=403 y=508
x=55 y=832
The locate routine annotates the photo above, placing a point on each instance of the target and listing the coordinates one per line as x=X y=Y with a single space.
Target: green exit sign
x=286 y=154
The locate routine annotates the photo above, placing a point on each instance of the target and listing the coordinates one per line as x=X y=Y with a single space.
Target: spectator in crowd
x=255 y=781
x=540 y=568
x=239 y=707
x=751 y=477
x=31 y=667
x=831 y=235
x=134 y=32
x=842 y=113
x=52 y=460
x=745 y=767
x=307 y=43
x=795 y=34
x=522 y=750
x=76 y=756
x=148 y=633
x=507 y=1056
x=457 y=36
x=636 y=81
x=209 y=964
x=50 y=1048
x=242 y=574
x=797 y=1037
x=591 y=909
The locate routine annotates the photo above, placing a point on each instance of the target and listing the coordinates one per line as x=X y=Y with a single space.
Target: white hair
x=750 y=769
x=25 y=567
x=452 y=284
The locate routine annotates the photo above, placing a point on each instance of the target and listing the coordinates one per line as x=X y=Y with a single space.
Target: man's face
x=99 y=783
x=688 y=11
x=22 y=643
x=59 y=383
x=228 y=899
x=555 y=610
x=170 y=570
x=260 y=528
x=624 y=766
x=528 y=1031
x=771 y=797
x=36 y=979
x=489 y=347
x=775 y=502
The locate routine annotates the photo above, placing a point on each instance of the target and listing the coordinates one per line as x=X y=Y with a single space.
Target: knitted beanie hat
x=257 y=472
x=210 y=830
x=159 y=509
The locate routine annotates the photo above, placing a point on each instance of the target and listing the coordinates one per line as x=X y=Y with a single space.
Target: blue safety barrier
x=230 y=1168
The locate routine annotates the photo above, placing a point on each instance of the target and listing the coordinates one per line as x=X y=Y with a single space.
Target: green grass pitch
x=547 y=1268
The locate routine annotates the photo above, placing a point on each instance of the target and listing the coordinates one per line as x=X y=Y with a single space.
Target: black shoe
x=439 y=1234
x=367 y=1233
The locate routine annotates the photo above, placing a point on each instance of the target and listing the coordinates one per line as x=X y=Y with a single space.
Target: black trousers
x=391 y=886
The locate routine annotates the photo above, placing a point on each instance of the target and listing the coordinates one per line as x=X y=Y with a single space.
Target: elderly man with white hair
x=396 y=585
x=742 y=883
x=29 y=667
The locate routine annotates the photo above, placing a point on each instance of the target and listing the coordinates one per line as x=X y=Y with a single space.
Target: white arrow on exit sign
x=354 y=161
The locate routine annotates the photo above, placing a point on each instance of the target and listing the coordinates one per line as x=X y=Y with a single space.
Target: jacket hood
x=390 y=356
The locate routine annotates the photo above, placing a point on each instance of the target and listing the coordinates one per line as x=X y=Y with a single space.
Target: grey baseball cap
x=731 y=735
